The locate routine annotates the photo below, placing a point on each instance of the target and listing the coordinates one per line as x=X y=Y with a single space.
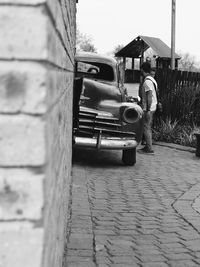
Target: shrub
x=174 y=132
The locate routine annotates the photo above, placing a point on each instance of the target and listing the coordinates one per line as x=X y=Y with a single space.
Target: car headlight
x=131 y=113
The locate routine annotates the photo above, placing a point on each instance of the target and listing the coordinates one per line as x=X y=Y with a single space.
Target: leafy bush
x=174 y=132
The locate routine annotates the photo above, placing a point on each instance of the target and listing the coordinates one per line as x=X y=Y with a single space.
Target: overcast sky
x=114 y=22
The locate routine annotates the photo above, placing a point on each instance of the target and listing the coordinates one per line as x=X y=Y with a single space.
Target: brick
x=54 y=44
x=22 y=140
x=23 y=87
x=80 y=262
x=183 y=263
x=155 y=264
x=59 y=84
x=81 y=241
x=18 y=242
x=196 y=204
x=81 y=253
x=102 y=259
x=179 y=256
x=21 y=194
x=64 y=22
x=125 y=259
x=26 y=20
x=23 y=20
x=151 y=258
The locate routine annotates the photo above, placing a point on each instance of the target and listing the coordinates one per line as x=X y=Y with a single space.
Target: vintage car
x=103 y=116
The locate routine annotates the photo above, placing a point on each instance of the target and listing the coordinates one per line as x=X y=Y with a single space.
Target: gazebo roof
x=141 y=43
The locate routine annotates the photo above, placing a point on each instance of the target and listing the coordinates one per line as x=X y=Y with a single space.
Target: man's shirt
x=149 y=84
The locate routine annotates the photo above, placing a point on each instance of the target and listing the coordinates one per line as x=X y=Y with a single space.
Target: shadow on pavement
x=90 y=157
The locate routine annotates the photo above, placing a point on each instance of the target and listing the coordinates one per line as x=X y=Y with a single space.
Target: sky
x=117 y=22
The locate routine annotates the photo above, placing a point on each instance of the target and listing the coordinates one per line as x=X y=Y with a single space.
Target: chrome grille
x=91 y=124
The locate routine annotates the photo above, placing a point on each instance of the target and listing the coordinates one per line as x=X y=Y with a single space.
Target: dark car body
x=103 y=117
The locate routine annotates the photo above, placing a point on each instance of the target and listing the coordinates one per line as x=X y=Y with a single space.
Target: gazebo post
x=133 y=63
x=124 y=68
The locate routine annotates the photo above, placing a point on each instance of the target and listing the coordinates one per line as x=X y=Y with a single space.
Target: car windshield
x=95 y=70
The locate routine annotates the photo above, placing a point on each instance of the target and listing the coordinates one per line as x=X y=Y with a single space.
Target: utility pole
x=173 y=24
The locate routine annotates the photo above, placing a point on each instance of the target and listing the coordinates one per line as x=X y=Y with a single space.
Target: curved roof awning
x=140 y=44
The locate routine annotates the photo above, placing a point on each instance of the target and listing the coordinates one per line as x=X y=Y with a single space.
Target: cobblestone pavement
x=145 y=215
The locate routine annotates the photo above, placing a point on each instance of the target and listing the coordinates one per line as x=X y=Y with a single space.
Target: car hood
x=97 y=112
x=94 y=92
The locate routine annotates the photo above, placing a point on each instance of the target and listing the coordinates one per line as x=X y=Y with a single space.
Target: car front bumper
x=106 y=143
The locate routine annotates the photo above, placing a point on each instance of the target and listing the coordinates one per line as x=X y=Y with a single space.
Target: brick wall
x=36 y=79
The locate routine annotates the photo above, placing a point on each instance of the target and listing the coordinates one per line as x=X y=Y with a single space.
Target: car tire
x=129 y=156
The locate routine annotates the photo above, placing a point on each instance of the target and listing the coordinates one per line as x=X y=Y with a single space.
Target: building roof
x=141 y=43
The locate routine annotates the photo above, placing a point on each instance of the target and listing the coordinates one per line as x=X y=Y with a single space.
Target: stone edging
x=175 y=146
x=81 y=237
x=186 y=206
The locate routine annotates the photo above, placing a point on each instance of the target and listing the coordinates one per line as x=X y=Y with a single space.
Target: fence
x=180 y=94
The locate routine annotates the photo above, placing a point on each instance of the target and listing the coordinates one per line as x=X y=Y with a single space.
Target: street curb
x=186 y=206
x=81 y=239
x=175 y=146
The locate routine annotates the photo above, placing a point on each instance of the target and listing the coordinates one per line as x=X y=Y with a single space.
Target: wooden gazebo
x=136 y=49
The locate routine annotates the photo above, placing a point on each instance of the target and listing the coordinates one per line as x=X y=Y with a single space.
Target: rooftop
x=140 y=44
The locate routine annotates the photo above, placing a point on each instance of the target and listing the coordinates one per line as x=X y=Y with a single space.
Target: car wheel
x=129 y=156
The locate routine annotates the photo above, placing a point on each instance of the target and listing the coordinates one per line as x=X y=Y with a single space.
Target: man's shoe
x=145 y=150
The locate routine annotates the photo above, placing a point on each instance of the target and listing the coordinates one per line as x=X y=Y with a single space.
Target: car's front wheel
x=129 y=156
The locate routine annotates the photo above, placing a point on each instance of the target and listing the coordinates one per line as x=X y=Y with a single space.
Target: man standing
x=149 y=103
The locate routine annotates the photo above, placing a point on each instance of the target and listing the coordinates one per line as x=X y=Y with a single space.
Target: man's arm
x=149 y=99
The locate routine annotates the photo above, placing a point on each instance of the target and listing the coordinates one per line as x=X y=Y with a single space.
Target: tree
x=84 y=42
x=188 y=63
x=117 y=49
